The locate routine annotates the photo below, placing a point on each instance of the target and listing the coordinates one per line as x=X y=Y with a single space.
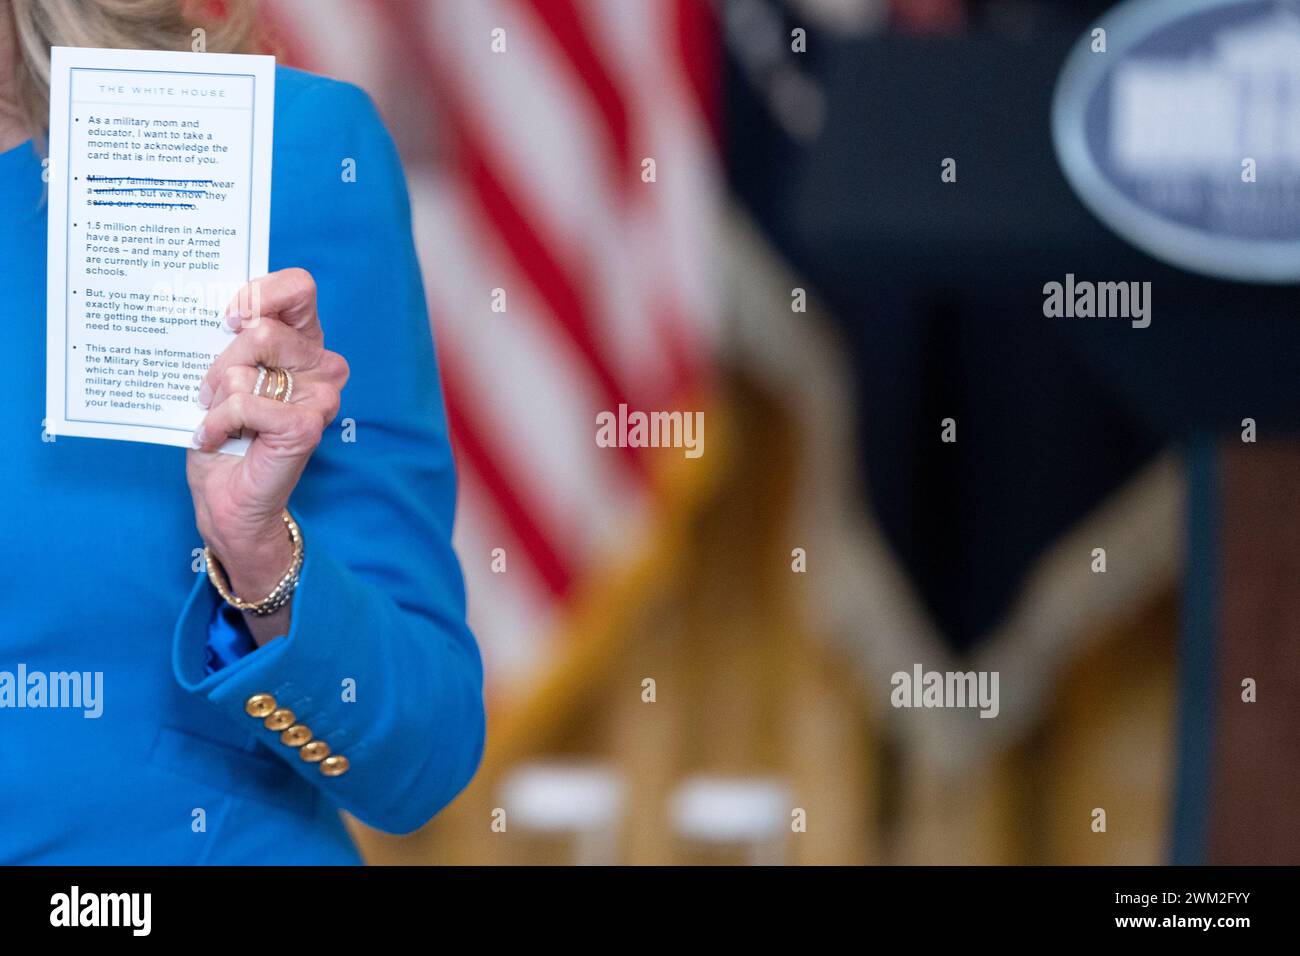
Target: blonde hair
x=118 y=24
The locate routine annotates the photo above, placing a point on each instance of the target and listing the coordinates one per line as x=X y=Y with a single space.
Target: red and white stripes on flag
x=526 y=174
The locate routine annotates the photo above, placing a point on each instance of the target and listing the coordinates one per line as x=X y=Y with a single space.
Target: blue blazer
x=99 y=575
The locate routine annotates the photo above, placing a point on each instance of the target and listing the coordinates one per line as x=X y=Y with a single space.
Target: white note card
x=159 y=207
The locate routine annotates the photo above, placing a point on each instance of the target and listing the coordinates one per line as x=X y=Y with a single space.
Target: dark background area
x=937 y=290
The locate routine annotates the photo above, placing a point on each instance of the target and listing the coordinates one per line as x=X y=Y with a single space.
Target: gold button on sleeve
x=280 y=719
x=259 y=705
x=296 y=736
x=335 y=766
x=315 y=751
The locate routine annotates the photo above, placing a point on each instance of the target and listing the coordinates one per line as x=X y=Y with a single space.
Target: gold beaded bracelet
x=282 y=592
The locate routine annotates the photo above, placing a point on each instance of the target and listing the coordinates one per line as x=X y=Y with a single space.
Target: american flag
x=561 y=283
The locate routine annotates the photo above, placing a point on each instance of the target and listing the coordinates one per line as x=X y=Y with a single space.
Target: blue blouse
x=228 y=639
x=125 y=689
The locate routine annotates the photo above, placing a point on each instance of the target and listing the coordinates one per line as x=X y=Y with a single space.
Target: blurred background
x=737 y=208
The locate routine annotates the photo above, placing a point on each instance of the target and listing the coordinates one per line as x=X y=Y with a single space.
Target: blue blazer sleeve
x=378 y=663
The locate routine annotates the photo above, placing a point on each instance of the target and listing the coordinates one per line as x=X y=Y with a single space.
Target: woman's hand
x=238 y=501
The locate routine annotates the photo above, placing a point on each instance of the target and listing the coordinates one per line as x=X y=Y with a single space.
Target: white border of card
x=64 y=61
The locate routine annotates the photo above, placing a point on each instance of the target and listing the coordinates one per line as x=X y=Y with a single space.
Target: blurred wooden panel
x=1255 y=795
x=1109 y=742
x=956 y=817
